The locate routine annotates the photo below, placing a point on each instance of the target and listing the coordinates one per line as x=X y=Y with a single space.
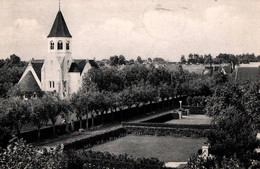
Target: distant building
x=247 y=74
x=59 y=72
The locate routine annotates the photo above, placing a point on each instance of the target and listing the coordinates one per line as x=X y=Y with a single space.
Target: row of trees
x=107 y=90
x=221 y=58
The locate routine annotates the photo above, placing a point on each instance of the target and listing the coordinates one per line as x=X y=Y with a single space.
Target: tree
x=139 y=60
x=121 y=60
x=80 y=102
x=114 y=60
x=37 y=115
x=17 y=113
x=183 y=60
x=53 y=107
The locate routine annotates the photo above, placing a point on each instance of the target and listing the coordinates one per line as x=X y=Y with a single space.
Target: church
x=58 y=72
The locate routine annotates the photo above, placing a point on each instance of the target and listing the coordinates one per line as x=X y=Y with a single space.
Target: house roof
x=78 y=65
x=29 y=84
x=244 y=74
x=93 y=63
x=198 y=69
x=59 y=27
x=227 y=69
x=37 y=66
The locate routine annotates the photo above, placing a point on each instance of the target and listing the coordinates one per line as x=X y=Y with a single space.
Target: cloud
x=22 y=38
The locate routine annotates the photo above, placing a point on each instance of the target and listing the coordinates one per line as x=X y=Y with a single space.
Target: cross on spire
x=59 y=5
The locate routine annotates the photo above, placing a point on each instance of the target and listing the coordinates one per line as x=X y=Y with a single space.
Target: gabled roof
x=78 y=65
x=93 y=63
x=74 y=67
x=244 y=74
x=59 y=27
x=29 y=84
x=37 y=66
x=227 y=69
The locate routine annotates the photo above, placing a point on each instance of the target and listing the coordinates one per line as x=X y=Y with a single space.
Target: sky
x=146 y=28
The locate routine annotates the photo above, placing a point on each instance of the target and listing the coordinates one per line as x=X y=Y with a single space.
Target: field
x=167 y=149
x=192 y=119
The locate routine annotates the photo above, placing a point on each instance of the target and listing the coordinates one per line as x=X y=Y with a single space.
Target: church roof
x=78 y=65
x=59 y=27
x=37 y=66
x=29 y=84
x=74 y=67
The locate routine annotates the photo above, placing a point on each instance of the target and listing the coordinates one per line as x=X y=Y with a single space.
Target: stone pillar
x=205 y=151
x=180 y=104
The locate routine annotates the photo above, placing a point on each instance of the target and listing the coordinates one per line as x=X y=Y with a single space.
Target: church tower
x=58 y=60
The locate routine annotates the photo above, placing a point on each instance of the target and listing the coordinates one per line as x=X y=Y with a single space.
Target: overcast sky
x=146 y=28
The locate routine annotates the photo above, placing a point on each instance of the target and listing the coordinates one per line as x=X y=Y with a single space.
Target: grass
x=192 y=119
x=167 y=149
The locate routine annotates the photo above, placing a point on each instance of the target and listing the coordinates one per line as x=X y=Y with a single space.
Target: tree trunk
x=80 y=122
x=86 y=121
x=53 y=129
x=39 y=134
x=67 y=127
x=18 y=132
x=112 y=115
x=102 y=117
x=92 y=119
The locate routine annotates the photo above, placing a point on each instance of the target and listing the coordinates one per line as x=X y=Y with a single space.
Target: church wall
x=75 y=82
x=51 y=75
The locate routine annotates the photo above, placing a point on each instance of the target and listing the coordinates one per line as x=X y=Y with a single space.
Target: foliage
x=19 y=155
x=93 y=160
x=164 y=131
x=11 y=71
x=95 y=139
x=17 y=113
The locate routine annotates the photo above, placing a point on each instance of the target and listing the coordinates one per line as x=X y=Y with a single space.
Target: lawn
x=192 y=119
x=167 y=149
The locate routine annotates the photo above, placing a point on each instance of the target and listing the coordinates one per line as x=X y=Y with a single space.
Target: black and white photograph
x=130 y=84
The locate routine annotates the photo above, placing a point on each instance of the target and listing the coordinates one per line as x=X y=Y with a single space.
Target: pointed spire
x=59 y=27
x=59 y=5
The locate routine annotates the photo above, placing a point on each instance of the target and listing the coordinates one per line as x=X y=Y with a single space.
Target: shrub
x=93 y=160
x=189 y=100
x=96 y=139
x=176 y=132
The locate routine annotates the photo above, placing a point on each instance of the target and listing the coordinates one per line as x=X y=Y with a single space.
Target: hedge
x=91 y=141
x=175 y=132
x=166 y=125
x=94 y=160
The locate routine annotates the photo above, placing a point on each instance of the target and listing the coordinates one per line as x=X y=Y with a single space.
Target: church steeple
x=59 y=27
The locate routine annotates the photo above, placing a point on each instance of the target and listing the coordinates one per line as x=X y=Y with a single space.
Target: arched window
x=51 y=45
x=53 y=84
x=50 y=84
x=68 y=45
x=60 y=45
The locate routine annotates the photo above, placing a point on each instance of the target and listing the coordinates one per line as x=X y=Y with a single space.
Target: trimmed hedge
x=163 y=118
x=91 y=141
x=167 y=125
x=195 y=109
x=94 y=160
x=176 y=132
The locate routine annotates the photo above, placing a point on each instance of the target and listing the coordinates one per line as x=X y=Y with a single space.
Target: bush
x=167 y=125
x=93 y=160
x=19 y=155
x=176 y=132
x=96 y=139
